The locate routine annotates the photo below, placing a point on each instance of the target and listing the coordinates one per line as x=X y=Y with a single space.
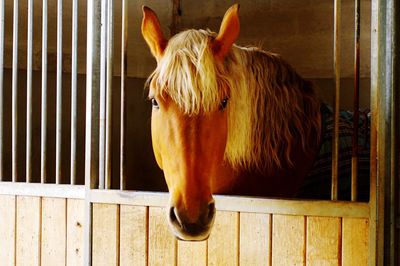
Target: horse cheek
x=156 y=137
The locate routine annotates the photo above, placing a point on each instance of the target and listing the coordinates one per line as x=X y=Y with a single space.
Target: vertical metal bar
x=123 y=93
x=373 y=204
x=176 y=17
x=395 y=138
x=336 y=65
x=29 y=94
x=379 y=125
x=356 y=100
x=110 y=68
x=14 y=118
x=43 y=137
x=395 y=158
x=59 y=94
x=102 y=125
x=1 y=89
x=92 y=117
x=393 y=85
x=74 y=95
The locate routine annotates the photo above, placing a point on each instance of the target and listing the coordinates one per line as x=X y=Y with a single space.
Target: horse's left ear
x=152 y=33
x=228 y=32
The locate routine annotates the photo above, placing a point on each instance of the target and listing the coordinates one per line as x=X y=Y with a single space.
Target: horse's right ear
x=151 y=31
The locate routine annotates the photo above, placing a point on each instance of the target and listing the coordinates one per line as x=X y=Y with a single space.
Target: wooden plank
x=288 y=240
x=105 y=241
x=28 y=231
x=54 y=231
x=162 y=244
x=224 y=238
x=192 y=253
x=355 y=241
x=7 y=230
x=240 y=204
x=75 y=223
x=133 y=229
x=323 y=241
x=255 y=239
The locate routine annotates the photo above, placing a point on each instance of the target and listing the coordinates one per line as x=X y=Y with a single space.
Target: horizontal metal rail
x=42 y=190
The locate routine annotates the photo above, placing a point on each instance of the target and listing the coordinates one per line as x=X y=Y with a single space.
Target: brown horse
x=226 y=119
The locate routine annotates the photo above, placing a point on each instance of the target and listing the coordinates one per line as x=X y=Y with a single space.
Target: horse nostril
x=211 y=210
x=208 y=215
x=173 y=216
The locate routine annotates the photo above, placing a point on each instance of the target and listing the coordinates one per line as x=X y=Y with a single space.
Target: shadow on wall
x=141 y=168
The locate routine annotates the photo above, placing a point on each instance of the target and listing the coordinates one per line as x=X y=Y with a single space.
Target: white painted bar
x=123 y=97
x=29 y=94
x=14 y=115
x=43 y=134
x=74 y=95
x=109 y=73
x=59 y=93
x=102 y=122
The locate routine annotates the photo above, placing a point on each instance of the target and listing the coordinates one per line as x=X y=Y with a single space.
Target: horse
x=226 y=119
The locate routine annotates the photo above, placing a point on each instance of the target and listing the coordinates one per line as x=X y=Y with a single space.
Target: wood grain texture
x=133 y=230
x=192 y=253
x=355 y=241
x=7 y=230
x=323 y=241
x=255 y=236
x=288 y=240
x=105 y=243
x=162 y=244
x=54 y=231
x=224 y=239
x=75 y=223
x=28 y=231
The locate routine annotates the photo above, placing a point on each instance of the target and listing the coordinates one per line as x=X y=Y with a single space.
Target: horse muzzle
x=187 y=230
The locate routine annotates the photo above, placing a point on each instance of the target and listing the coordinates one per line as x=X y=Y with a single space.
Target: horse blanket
x=317 y=185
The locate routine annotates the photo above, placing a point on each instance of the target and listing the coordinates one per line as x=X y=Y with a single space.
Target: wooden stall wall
x=49 y=231
x=41 y=231
x=140 y=236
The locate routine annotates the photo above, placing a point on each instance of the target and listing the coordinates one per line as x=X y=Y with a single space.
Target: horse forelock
x=189 y=75
x=270 y=109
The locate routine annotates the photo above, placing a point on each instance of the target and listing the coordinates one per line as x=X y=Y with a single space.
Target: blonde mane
x=270 y=110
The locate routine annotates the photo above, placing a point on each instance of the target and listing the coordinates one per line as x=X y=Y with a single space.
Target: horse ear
x=228 y=32
x=151 y=31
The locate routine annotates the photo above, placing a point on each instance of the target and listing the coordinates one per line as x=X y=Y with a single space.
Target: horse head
x=189 y=122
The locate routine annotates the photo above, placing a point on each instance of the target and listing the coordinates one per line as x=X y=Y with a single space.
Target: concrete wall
x=302 y=31
x=299 y=30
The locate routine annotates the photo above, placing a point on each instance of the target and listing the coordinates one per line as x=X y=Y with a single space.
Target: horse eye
x=154 y=103
x=223 y=104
